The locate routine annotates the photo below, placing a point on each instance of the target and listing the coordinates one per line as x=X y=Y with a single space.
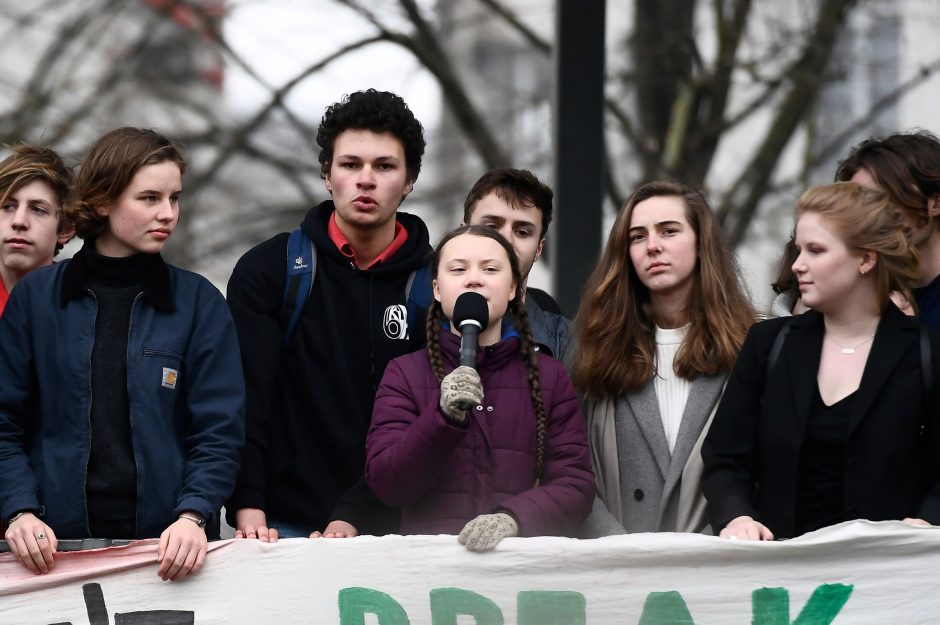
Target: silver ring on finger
x=41 y=536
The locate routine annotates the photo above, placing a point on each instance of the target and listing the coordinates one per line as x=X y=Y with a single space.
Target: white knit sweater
x=672 y=392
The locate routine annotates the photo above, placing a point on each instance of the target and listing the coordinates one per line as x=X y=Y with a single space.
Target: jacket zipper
x=130 y=413
x=90 y=391
x=90 y=401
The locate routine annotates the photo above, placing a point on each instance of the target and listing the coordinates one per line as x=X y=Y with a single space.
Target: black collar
x=76 y=280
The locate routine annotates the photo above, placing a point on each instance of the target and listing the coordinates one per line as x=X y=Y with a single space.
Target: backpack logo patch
x=299 y=263
x=396 y=322
x=169 y=378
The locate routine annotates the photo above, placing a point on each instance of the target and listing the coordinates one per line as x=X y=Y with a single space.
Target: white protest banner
x=853 y=574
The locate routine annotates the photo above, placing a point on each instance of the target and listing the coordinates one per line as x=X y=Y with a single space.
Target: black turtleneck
x=111 y=487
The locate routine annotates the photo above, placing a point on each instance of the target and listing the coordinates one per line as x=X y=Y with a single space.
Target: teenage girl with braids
x=517 y=463
x=659 y=328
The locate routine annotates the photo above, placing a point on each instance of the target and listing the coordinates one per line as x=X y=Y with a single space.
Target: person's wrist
x=16 y=517
x=194 y=517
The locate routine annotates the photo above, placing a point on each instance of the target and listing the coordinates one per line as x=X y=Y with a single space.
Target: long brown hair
x=617 y=335
x=520 y=321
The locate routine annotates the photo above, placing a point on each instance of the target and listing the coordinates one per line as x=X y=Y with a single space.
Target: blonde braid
x=532 y=363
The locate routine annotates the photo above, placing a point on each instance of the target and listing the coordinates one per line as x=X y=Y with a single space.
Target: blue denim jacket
x=185 y=389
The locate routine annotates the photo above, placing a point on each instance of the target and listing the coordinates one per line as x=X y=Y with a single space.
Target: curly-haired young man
x=310 y=399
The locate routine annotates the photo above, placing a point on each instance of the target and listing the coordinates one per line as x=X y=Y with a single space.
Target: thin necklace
x=850 y=350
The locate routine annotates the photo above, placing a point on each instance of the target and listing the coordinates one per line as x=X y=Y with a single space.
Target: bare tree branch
x=711 y=97
x=427 y=48
x=740 y=202
x=755 y=105
x=518 y=25
x=240 y=135
x=625 y=125
x=828 y=151
x=35 y=97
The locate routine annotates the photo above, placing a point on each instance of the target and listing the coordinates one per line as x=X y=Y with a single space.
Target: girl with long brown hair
x=516 y=462
x=659 y=328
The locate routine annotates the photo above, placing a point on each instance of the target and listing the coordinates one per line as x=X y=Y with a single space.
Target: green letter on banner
x=771 y=606
x=355 y=603
x=665 y=608
x=447 y=603
x=544 y=607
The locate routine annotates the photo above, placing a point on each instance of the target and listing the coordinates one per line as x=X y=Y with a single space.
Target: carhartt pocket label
x=169 y=377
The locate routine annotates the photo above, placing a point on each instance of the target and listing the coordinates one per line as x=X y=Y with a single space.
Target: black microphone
x=471 y=316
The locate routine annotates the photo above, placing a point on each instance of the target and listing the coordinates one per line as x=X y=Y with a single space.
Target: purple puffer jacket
x=443 y=475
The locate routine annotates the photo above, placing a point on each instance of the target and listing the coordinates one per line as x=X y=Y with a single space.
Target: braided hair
x=520 y=321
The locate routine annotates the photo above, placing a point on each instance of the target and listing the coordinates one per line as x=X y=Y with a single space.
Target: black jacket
x=309 y=404
x=892 y=452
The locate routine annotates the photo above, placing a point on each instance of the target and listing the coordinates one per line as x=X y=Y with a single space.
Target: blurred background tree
x=751 y=100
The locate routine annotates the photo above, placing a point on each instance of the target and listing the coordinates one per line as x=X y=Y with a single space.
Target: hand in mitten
x=484 y=532
x=460 y=389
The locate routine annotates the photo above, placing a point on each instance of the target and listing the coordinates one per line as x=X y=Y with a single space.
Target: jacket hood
x=412 y=254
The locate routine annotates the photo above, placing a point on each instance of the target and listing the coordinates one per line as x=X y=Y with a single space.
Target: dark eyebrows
x=41 y=202
x=659 y=224
x=156 y=192
x=516 y=223
x=467 y=262
x=388 y=158
x=493 y=218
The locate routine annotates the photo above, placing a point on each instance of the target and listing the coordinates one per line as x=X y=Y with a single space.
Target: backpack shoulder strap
x=417 y=295
x=777 y=347
x=301 y=271
x=418 y=289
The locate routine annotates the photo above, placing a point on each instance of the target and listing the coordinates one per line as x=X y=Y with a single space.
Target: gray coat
x=641 y=486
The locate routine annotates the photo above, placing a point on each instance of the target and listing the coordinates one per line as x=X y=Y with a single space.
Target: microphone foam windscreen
x=471 y=306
